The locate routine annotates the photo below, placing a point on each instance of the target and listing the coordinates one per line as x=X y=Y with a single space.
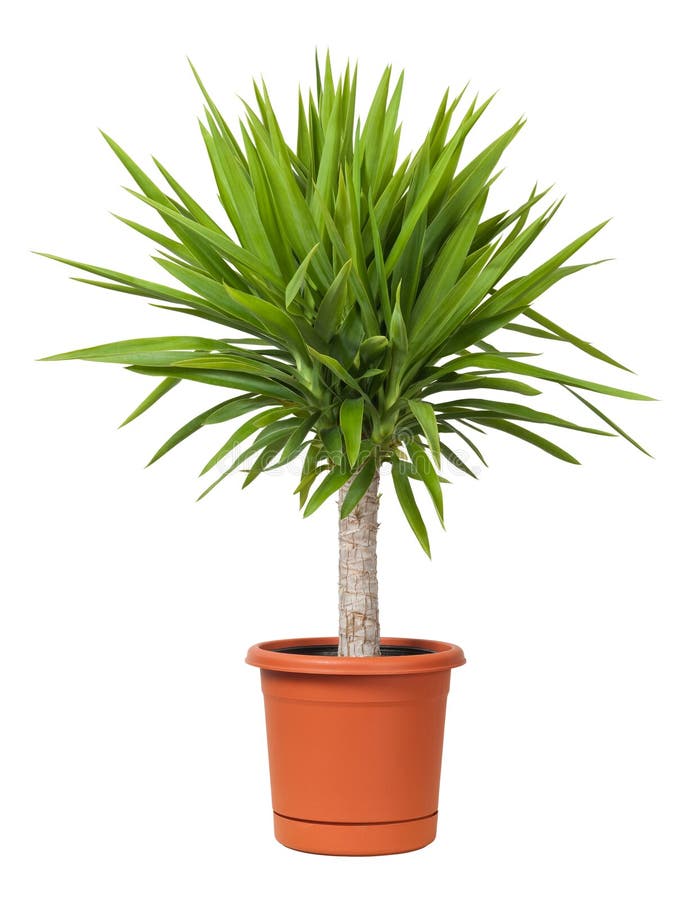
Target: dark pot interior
x=331 y=650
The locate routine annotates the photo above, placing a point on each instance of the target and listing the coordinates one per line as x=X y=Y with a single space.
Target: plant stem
x=359 y=621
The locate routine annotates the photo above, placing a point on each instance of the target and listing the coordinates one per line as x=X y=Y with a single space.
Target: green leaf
x=239 y=406
x=273 y=437
x=449 y=263
x=532 y=438
x=205 y=241
x=351 y=421
x=489 y=361
x=399 y=342
x=297 y=437
x=455 y=460
x=336 y=479
x=293 y=212
x=536 y=282
x=264 y=461
x=405 y=495
x=608 y=421
x=275 y=321
x=231 y=362
x=167 y=243
x=163 y=388
x=359 y=290
x=488 y=382
x=358 y=487
x=563 y=335
x=448 y=427
x=310 y=472
x=245 y=197
x=186 y=431
x=466 y=186
x=429 y=332
x=219 y=378
x=245 y=431
x=421 y=203
x=172 y=213
x=428 y=475
x=297 y=282
x=425 y=415
x=130 y=284
x=195 y=210
x=331 y=438
x=211 y=294
x=222 y=124
x=337 y=369
x=478 y=408
x=143 y=351
x=325 y=181
x=332 y=306
x=379 y=264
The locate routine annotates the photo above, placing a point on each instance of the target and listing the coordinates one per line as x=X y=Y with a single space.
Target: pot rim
x=442 y=656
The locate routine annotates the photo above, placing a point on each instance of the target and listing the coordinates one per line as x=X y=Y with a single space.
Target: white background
x=132 y=743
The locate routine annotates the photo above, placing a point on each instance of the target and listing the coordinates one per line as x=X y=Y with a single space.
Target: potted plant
x=354 y=297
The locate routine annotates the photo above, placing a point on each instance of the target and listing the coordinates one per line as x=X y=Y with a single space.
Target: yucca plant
x=355 y=295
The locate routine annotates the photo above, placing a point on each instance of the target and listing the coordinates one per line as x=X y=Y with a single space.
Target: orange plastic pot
x=355 y=744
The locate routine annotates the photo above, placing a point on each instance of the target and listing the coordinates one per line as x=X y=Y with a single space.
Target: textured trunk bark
x=359 y=623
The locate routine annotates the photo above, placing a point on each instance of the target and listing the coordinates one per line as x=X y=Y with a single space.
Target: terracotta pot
x=355 y=743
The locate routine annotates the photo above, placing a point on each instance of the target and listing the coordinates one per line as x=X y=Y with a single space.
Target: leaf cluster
x=355 y=294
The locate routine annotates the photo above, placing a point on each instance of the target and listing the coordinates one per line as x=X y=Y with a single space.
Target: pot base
x=372 y=839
